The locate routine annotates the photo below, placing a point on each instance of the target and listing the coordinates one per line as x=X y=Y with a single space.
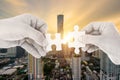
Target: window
x=3 y=50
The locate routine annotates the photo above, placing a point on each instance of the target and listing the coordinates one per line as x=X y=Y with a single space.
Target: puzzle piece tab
x=57 y=41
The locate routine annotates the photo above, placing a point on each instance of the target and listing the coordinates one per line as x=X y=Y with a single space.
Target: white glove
x=105 y=36
x=26 y=31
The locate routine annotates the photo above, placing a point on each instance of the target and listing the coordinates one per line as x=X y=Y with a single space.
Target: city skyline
x=61 y=16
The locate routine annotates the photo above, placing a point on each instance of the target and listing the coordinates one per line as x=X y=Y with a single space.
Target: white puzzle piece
x=77 y=38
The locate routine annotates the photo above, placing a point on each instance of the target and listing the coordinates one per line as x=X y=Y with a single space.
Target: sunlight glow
x=67 y=38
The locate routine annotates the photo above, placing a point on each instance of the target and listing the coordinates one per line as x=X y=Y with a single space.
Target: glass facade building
x=108 y=71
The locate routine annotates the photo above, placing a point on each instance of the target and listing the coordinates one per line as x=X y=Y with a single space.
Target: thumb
x=91 y=39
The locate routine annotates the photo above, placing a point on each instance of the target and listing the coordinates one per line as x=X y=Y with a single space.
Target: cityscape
x=17 y=64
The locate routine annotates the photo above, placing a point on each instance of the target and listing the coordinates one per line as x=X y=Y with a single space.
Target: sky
x=76 y=12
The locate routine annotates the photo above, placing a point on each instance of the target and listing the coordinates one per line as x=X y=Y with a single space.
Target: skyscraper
x=35 y=68
x=20 y=52
x=60 y=29
x=60 y=23
x=76 y=68
x=108 y=70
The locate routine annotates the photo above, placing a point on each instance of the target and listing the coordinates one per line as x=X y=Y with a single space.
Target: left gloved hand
x=26 y=31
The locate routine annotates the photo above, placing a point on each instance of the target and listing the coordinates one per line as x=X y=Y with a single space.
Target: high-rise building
x=35 y=68
x=10 y=52
x=76 y=65
x=20 y=52
x=108 y=70
x=76 y=68
x=60 y=29
x=60 y=23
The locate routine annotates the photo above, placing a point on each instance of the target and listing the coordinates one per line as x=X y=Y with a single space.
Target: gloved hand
x=105 y=36
x=26 y=31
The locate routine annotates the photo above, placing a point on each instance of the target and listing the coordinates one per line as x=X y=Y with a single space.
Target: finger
x=37 y=36
x=34 y=22
x=39 y=25
x=91 y=39
x=41 y=50
x=94 y=26
x=88 y=29
x=31 y=49
x=92 y=49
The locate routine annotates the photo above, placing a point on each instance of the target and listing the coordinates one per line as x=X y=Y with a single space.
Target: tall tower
x=60 y=22
x=76 y=68
x=35 y=68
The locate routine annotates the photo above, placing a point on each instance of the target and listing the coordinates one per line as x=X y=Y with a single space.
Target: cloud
x=16 y=2
x=79 y=12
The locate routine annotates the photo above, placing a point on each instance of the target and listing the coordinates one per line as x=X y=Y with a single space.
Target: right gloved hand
x=105 y=36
